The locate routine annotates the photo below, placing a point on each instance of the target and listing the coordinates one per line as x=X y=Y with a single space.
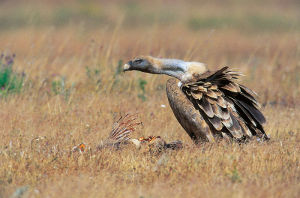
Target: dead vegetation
x=73 y=91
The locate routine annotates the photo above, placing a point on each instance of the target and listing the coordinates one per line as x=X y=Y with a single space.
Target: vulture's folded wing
x=229 y=108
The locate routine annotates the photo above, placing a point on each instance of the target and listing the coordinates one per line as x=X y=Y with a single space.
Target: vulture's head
x=184 y=71
x=143 y=64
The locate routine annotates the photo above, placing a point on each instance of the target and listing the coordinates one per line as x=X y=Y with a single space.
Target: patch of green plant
x=92 y=73
x=59 y=87
x=119 y=68
x=94 y=76
x=234 y=175
x=142 y=83
x=117 y=73
x=10 y=81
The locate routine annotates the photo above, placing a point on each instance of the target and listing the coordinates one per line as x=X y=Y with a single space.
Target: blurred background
x=259 y=38
x=240 y=15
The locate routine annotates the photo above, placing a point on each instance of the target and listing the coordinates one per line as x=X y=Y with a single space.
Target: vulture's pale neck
x=184 y=71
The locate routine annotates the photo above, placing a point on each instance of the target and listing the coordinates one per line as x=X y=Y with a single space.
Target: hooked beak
x=127 y=66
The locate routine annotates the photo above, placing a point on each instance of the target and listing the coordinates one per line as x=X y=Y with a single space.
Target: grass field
x=66 y=85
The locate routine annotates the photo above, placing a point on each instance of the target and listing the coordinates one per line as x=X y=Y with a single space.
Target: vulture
x=209 y=105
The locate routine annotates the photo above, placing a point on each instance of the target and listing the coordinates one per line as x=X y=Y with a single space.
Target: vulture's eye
x=138 y=61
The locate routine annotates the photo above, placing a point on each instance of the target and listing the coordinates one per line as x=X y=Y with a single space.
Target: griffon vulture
x=209 y=105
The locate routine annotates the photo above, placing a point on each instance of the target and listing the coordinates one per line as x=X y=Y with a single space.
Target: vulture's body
x=208 y=105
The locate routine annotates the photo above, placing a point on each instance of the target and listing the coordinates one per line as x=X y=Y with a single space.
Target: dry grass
x=85 y=108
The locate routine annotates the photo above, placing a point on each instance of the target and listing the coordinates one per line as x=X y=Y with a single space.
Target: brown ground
x=57 y=43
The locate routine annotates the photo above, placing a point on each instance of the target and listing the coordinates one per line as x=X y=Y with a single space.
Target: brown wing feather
x=187 y=115
x=212 y=94
x=217 y=110
x=233 y=87
x=227 y=106
x=206 y=107
x=221 y=102
x=216 y=123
